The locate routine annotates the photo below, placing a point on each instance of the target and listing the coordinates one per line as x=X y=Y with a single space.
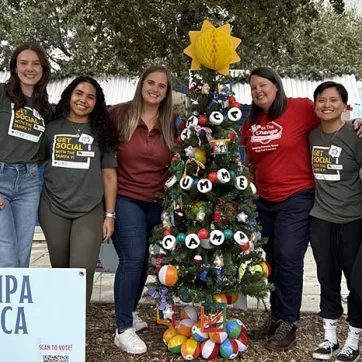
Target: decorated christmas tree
x=208 y=248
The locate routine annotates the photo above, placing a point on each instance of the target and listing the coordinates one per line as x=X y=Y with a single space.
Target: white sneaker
x=129 y=342
x=138 y=323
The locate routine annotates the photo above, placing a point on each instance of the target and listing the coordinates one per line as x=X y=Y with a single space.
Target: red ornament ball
x=203 y=234
x=212 y=176
x=166 y=232
x=179 y=140
x=231 y=99
x=235 y=104
x=231 y=135
x=202 y=120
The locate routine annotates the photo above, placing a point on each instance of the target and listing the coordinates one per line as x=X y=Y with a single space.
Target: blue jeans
x=286 y=225
x=19 y=186
x=134 y=223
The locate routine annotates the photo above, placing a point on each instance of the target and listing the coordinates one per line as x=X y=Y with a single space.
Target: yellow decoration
x=213 y=47
x=200 y=155
x=197 y=206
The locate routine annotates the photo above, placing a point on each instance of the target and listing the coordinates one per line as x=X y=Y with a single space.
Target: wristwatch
x=110 y=214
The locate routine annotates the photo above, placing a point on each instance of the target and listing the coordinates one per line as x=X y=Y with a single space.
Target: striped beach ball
x=197 y=334
x=209 y=349
x=220 y=298
x=231 y=298
x=175 y=343
x=184 y=327
x=218 y=337
x=234 y=328
x=189 y=312
x=242 y=342
x=190 y=349
x=168 y=334
x=168 y=275
x=229 y=349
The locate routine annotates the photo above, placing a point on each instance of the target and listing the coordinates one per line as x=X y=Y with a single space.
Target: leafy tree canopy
x=298 y=37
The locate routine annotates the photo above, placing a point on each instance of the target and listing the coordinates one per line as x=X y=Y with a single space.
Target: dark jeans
x=286 y=225
x=134 y=223
x=337 y=248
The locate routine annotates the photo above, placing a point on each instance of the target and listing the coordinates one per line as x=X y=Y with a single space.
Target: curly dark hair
x=102 y=127
x=13 y=85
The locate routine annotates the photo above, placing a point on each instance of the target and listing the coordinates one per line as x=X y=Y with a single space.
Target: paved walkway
x=103 y=282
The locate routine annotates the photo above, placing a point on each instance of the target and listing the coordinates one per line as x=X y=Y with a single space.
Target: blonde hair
x=129 y=116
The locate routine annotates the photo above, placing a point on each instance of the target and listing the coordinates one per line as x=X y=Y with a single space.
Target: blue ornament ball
x=180 y=238
x=228 y=234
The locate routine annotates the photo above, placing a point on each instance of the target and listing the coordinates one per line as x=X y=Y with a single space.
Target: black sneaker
x=348 y=354
x=326 y=350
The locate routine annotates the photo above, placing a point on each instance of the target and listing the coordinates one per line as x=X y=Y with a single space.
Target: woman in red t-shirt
x=146 y=135
x=275 y=136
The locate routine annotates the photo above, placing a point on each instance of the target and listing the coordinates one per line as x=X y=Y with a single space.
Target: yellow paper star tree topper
x=213 y=48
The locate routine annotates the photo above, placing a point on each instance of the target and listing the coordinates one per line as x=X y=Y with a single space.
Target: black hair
x=99 y=121
x=279 y=105
x=329 y=84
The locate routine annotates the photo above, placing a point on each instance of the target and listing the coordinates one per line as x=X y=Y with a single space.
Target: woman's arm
x=2 y=202
x=110 y=194
x=248 y=162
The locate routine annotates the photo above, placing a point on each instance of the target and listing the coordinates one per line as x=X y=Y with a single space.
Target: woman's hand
x=357 y=124
x=108 y=228
x=2 y=202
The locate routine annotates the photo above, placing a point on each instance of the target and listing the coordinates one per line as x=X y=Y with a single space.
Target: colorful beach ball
x=168 y=275
x=190 y=349
x=242 y=342
x=175 y=343
x=234 y=328
x=197 y=334
x=209 y=349
x=189 y=312
x=231 y=298
x=220 y=298
x=218 y=337
x=229 y=349
x=168 y=334
x=184 y=327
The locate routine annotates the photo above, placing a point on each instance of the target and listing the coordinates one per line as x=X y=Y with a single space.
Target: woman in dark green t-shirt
x=24 y=108
x=79 y=146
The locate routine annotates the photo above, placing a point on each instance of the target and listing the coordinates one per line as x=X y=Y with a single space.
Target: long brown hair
x=280 y=103
x=130 y=114
x=13 y=85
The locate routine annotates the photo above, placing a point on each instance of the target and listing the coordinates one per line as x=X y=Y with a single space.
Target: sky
x=357 y=4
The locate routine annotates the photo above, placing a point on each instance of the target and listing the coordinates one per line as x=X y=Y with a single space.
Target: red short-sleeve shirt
x=143 y=162
x=280 y=151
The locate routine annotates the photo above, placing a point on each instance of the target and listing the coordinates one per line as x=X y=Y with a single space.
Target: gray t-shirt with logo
x=20 y=131
x=336 y=163
x=73 y=182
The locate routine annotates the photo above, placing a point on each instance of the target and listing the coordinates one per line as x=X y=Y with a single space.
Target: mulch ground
x=100 y=334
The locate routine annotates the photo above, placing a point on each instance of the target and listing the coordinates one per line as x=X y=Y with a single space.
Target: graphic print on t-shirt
x=71 y=151
x=325 y=163
x=265 y=135
x=26 y=123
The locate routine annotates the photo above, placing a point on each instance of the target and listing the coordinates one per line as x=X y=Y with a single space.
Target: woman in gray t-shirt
x=79 y=145
x=336 y=226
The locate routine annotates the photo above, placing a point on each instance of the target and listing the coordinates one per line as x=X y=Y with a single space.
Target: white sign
x=42 y=315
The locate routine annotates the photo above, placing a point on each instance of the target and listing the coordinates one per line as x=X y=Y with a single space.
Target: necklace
x=334 y=134
x=78 y=129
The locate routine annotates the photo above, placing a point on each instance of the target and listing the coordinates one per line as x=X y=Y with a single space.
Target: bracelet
x=110 y=214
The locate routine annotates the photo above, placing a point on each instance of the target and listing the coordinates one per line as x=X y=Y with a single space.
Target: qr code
x=55 y=358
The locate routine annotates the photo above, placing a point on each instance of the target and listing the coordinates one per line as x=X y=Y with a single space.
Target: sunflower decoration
x=213 y=48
